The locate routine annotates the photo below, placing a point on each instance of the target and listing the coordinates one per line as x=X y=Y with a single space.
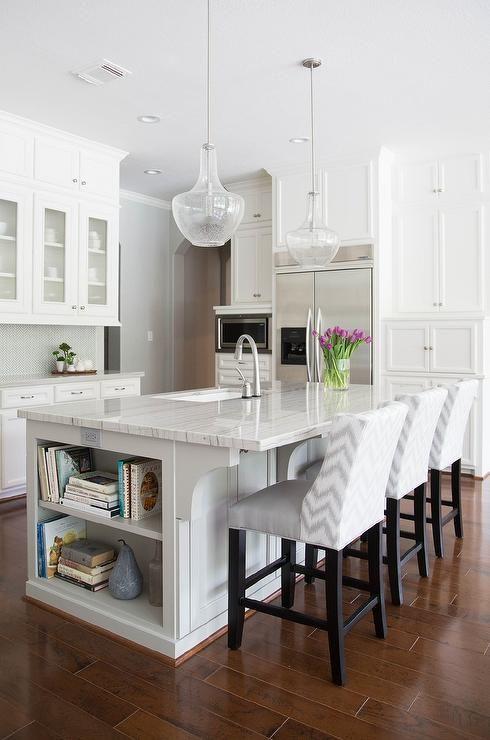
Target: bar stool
x=345 y=500
x=447 y=450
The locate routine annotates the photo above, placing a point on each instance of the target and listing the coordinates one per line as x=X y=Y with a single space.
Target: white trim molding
x=146 y=200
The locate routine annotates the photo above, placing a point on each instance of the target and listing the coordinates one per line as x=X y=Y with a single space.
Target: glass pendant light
x=208 y=214
x=313 y=244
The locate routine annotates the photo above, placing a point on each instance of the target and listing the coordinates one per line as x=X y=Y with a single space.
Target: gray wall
x=145 y=293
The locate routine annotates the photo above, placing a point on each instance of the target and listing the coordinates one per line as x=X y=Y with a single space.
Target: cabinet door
x=258 y=205
x=460 y=177
x=56 y=163
x=13 y=450
x=99 y=175
x=453 y=348
x=461 y=258
x=394 y=386
x=417 y=183
x=99 y=261
x=15 y=251
x=416 y=260
x=291 y=202
x=16 y=151
x=349 y=202
x=407 y=347
x=55 y=258
x=264 y=265
x=244 y=266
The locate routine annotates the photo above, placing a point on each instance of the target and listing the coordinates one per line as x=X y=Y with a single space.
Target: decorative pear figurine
x=125 y=581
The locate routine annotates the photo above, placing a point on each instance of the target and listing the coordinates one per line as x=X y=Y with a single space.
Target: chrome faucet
x=255 y=355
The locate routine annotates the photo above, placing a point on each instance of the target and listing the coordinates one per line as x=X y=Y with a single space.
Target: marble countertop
x=10 y=381
x=288 y=412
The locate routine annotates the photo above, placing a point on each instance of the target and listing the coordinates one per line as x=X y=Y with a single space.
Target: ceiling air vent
x=101 y=72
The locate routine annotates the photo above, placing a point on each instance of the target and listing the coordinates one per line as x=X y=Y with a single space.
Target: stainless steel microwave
x=229 y=328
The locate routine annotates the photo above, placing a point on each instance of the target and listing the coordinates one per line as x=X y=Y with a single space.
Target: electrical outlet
x=149 y=334
x=92 y=437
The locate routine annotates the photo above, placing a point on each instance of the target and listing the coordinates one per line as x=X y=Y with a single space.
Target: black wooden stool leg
x=236 y=586
x=288 y=578
x=420 y=529
x=393 y=549
x=375 y=564
x=335 y=619
x=311 y=560
x=456 y=496
x=436 y=512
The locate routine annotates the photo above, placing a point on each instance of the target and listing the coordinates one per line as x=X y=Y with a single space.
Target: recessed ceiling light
x=149 y=119
x=153 y=172
x=299 y=140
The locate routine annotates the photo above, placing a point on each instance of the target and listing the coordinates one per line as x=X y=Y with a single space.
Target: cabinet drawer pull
x=76 y=393
x=122 y=388
x=25 y=398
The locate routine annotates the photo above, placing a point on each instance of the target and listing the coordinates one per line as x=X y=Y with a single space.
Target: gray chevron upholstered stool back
x=347 y=497
x=447 y=449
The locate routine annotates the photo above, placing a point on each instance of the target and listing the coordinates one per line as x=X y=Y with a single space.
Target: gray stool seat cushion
x=274 y=510
x=312 y=471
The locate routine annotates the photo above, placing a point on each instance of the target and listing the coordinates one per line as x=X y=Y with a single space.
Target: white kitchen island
x=213 y=453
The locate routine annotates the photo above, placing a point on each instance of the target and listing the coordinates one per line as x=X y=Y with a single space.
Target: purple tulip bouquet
x=337 y=346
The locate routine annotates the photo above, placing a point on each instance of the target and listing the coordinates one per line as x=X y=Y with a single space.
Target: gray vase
x=125 y=581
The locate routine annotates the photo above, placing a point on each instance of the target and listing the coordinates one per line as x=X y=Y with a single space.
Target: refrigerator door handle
x=318 y=328
x=308 y=340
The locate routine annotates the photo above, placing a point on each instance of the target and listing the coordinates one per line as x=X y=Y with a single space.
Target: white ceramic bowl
x=3 y=227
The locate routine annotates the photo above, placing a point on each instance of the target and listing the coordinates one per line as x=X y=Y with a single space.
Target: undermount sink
x=206 y=396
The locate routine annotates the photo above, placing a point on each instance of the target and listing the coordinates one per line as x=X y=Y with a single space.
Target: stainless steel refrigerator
x=319 y=300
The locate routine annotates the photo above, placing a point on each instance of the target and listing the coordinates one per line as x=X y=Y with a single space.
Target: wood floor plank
x=12 y=718
x=34 y=731
x=389 y=717
x=144 y=726
x=451 y=714
x=292 y=730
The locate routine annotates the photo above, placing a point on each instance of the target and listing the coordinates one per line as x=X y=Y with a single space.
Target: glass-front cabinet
x=55 y=289
x=14 y=283
x=99 y=258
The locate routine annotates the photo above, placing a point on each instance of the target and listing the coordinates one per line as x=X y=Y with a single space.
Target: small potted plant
x=60 y=361
x=70 y=362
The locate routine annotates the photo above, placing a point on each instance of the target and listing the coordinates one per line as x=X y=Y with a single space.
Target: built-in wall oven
x=229 y=328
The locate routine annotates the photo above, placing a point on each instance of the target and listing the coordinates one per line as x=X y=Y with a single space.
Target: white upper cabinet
x=291 y=202
x=15 y=243
x=349 y=202
x=98 y=174
x=461 y=258
x=450 y=179
x=251 y=259
x=56 y=162
x=98 y=260
x=416 y=260
x=16 y=151
x=258 y=205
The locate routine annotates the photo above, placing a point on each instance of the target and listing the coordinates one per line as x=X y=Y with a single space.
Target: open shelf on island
x=138 y=610
x=150 y=527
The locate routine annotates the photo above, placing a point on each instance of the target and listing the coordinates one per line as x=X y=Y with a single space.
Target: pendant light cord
x=312 y=112
x=208 y=100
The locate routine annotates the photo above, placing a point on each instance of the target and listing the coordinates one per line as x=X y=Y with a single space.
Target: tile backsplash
x=26 y=349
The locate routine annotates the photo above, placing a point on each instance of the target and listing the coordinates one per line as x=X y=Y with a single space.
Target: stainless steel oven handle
x=318 y=328
x=308 y=340
x=218 y=341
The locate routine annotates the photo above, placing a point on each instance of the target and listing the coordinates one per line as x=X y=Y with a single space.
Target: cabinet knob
x=426 y=348
x=84 y=182
x=82 y=308
x=440 y=190
x=257 y=215
x=75 y=179
x=441 y=304
x=435 y=190
x=431 y=348
x=435 y=304
x=259 y=295
x=74 y=308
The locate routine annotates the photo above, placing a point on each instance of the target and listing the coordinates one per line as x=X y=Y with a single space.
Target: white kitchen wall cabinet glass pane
x=461 y=258
x=98 y=262
x=349 y=202
x=417 y=183
x=416 y=260
x=407 y=347
x=99 y=175
x=55 y=259
x=460 y=177
x=56 y=162
x=15 y=269
x=454 y=348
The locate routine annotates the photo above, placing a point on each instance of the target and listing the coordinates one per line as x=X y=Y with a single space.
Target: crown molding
x=146 y=200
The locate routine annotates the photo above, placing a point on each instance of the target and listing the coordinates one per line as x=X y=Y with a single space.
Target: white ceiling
x=403 y=73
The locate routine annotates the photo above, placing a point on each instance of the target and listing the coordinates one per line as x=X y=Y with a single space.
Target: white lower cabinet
x=226 y=372
x=13 y=429
x=394 y=385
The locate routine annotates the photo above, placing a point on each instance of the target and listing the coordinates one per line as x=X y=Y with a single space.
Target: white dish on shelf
x=3 y=227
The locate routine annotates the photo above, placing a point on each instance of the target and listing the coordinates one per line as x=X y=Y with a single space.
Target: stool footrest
x=264 y=572
x=352 y=552
x=346 y=580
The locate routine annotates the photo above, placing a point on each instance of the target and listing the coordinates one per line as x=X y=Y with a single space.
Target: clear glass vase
x=336 y=374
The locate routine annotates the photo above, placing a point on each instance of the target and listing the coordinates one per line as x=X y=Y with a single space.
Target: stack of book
x=94 y=491
x=52 y=534
x=140 y=487
x=87 y=564
x=56 y=463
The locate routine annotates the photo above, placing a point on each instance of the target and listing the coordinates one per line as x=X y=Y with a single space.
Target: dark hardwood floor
x=429 y=678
